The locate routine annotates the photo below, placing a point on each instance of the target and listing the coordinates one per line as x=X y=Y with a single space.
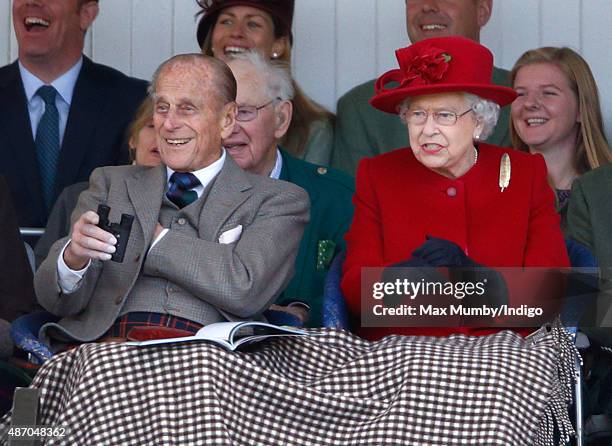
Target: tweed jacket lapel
x=229 y=190
x=146 y=189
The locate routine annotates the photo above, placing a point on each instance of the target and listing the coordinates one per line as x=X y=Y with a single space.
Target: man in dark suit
x=209 y=242
x=90 y=106
x=264 y=113
x=16 y=290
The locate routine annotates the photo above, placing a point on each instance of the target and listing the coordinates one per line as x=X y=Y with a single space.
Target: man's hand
x=88 y=242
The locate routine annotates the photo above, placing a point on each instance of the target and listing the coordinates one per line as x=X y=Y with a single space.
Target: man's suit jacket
x=362 y=131
x=331 y=211
x=589 y=221
x=16 y=290
x=240 y=279
x=103 y=104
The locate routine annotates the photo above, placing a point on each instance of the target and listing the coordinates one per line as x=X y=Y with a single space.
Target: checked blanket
x=329 y=389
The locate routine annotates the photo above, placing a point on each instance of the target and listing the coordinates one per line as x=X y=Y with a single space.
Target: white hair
x=485 y=111
x=276 y=74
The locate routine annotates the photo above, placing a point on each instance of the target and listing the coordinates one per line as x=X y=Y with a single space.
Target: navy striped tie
x=180 y=192
x=47 y=142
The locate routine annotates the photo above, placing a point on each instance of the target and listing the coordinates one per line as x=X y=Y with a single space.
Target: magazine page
x=249 y=332
x=230 y=335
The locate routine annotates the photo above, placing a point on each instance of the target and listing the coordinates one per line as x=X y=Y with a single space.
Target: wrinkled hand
x=297 y=310
x=440 y=252
x=88 y=242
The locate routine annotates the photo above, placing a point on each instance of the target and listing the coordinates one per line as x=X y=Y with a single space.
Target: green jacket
x=363 y=131
x=331 y=212
x=589 y=221
x=320 y=143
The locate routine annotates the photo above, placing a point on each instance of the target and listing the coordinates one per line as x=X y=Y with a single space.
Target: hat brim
x=388 y=101
x=204 y=26
x=208 y=20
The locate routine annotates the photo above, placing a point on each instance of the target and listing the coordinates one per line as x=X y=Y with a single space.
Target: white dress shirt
x=278 y=166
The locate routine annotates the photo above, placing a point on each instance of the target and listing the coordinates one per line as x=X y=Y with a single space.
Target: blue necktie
x=47 y=142
x=180 y=192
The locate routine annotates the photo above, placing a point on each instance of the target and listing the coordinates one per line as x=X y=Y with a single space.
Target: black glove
x=440 y=252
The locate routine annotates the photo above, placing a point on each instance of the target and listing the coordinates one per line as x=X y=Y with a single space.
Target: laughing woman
x=229 y=27
x=557 y=114
x=448 y=200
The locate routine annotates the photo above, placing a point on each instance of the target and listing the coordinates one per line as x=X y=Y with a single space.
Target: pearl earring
x=274 y=55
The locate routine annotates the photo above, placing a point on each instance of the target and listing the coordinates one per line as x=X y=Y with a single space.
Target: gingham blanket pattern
x=329 y=389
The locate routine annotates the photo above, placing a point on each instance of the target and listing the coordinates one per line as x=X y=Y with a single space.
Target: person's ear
x=283 y=112
x=228 y=119
x=484 y=9
x=279 y=47
x=87 y=14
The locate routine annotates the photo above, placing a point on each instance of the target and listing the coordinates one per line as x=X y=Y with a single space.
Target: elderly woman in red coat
x=448 y=200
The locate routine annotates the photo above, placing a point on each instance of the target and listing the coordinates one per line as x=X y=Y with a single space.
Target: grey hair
x=485 y=111
x=222 y=78
x=276 y=74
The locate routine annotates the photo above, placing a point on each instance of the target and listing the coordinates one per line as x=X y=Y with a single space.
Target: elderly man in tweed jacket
x=209 y=242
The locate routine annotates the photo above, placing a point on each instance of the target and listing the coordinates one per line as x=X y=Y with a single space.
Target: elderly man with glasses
x=263 y=117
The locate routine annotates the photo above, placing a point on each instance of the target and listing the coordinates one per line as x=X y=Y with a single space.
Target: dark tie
x=47 y=142
x=180 y=192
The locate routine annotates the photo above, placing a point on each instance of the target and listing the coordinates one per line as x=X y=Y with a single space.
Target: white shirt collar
x=278 y=166
x=63 y=84
x=205 y=175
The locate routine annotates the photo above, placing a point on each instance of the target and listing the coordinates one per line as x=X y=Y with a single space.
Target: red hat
x=280 y=10
x=440 y=65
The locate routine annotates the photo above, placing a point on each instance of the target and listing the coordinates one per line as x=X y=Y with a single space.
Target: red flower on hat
x=427 y=66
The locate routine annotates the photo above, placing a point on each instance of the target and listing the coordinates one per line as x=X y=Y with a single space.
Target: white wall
x=340 y=43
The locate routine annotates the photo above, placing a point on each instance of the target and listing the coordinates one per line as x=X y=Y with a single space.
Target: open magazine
x=231 y=335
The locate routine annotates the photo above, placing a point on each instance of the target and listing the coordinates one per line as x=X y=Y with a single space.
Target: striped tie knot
x=47 y=93
x=180 y=191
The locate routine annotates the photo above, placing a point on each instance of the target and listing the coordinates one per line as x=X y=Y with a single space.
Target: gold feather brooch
x=504 y=172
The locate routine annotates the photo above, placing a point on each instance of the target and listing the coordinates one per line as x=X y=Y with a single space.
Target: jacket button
x=451 y=191
x=181 y=221
x=118 y=299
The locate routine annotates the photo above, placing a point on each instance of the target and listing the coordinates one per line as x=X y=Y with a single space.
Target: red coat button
x=451 y=191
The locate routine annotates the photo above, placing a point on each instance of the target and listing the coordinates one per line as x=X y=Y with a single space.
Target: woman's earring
x=274 y=55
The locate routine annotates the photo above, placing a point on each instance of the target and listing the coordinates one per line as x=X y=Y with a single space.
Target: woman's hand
x=440 y=252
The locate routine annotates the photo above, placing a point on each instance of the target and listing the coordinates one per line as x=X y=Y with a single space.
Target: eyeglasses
x=247 y=113
x=442 y=117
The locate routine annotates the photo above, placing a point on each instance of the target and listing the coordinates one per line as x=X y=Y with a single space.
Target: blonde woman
x=557 y=114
